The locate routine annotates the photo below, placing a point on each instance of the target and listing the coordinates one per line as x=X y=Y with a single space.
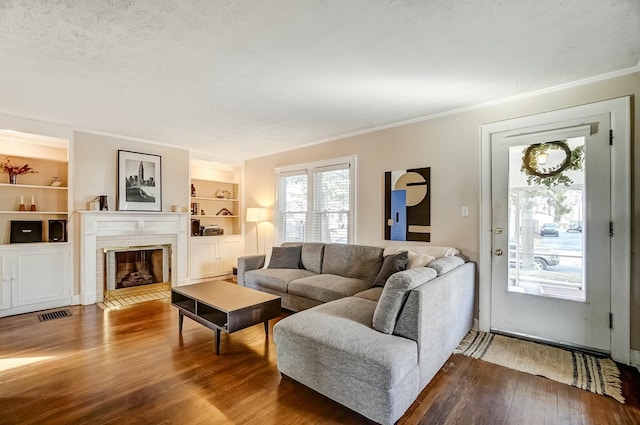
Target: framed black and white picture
x=139 y=181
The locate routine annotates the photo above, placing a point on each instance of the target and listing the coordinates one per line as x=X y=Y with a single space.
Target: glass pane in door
x=546 y=219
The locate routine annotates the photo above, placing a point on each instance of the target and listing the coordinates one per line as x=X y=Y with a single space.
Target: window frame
x=309 y=169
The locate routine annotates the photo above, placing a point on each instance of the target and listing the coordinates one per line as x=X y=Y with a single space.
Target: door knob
x=498 y=230
x=498 y=252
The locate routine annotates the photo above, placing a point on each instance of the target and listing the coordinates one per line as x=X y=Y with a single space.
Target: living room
x=448 y=142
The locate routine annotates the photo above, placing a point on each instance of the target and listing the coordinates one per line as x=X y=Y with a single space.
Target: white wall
x=450 y=145
x=95 y=160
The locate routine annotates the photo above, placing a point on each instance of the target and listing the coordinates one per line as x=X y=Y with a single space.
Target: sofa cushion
x=277 y=279
x=391 y=264
x=357 y=261
x=443 y=265
x=327 y=287
x=339 y=336
x=311 y=256
x=371 y=294
x=394 y=295
x=287 y=257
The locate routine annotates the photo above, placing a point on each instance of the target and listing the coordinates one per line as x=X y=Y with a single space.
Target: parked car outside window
x=542 y=258
x=575 y=226
x=549 y=229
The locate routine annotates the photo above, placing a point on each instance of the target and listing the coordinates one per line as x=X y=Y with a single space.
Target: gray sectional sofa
x=370 y=348
x=326 y=272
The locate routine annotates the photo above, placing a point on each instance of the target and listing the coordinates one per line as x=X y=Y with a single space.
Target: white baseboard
x=634 y=359
x=75 y=300
x=476 y=324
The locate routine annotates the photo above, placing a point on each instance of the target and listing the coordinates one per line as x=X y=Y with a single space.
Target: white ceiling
x=244 y=78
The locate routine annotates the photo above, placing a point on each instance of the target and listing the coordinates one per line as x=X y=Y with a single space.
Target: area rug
x=600 y=376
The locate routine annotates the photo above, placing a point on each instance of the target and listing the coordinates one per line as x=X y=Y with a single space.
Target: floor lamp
x=257 y=215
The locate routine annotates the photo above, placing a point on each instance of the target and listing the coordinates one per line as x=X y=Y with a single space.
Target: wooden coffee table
x=224 y=306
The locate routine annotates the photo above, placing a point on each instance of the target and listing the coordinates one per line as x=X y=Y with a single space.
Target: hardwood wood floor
x=131 y=366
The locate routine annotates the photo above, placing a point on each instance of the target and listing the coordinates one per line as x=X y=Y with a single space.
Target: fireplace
x=117 y=229
x=136 y=268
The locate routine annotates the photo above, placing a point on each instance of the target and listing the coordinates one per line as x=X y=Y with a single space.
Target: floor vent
x=59 y=314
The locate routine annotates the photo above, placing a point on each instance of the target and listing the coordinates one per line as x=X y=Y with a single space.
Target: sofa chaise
x=371 y=348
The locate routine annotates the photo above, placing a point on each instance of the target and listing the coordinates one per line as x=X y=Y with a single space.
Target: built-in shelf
x=120 y=212
x=213 y=216
x=215 y=194
x=31 y=186
x=37 y=275
x=32 y=245
x=212 y=236
x=35 y=212
x=203 y=198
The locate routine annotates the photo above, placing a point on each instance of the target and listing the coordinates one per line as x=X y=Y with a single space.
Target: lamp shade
x=252 y=215
x=257 y=215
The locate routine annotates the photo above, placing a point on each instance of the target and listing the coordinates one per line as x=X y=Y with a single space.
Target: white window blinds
x=291 y=211
x=331 y=204
x=315 y=202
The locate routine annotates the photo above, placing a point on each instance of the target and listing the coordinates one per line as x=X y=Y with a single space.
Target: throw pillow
x=418 y=260
x=285 y=257
x=390 y=265
x=267 y=258
x=443 y=265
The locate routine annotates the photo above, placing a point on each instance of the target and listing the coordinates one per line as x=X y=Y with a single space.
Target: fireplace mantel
x=128 y=225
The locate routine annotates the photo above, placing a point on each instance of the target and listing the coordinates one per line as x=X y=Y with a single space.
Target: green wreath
x=551 y=176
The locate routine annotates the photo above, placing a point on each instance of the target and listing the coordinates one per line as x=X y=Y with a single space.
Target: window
x=291 y=213
x=315 y=202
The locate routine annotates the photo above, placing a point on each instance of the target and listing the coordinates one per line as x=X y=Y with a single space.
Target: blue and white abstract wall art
x=408 y=205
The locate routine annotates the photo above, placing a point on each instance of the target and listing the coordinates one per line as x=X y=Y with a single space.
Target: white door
x=550 y=271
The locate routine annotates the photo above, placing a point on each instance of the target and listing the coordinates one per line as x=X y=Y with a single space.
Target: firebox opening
x=133 y=269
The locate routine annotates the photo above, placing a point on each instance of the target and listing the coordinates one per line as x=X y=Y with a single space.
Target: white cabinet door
x=211 y=256
x=204 y=257
x=5 y=280
x=40 y=275
x=230 y=250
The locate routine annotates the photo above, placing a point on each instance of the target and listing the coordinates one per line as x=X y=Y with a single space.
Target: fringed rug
x=600 y=376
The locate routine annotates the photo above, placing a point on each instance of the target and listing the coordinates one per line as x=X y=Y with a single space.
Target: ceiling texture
x=245 y=78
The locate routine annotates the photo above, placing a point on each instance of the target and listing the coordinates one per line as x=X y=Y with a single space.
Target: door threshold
x=553 y=343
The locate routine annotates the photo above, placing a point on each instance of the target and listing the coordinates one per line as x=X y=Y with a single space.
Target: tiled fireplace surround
x=117 y=229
